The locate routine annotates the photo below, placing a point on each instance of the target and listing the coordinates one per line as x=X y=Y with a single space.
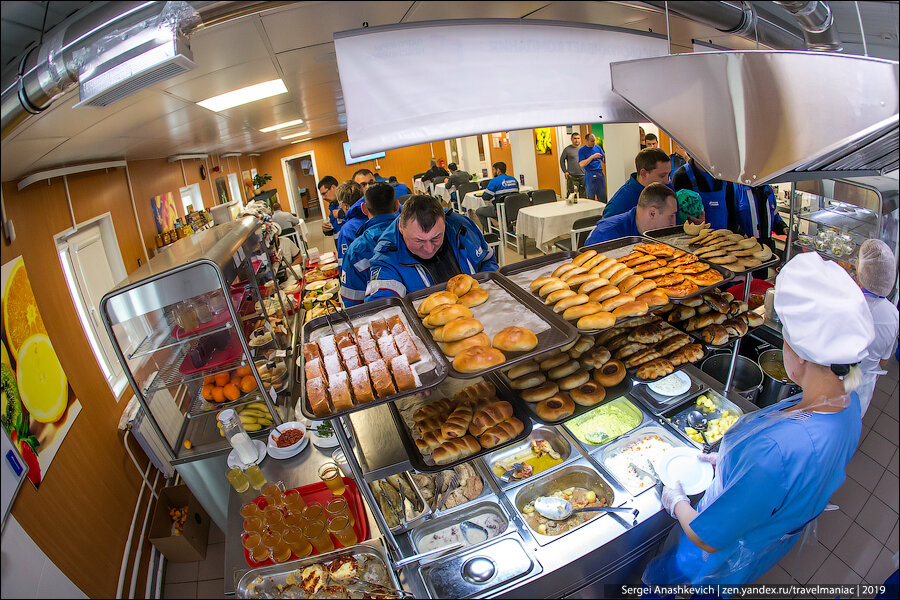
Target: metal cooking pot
x=776 y=384
x=748 y=377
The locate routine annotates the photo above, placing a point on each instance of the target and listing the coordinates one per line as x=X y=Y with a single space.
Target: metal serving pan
x=659 y=404
x=448 y=388
x=261 y=582
x=675 y=236
x=469 y=512
x=551 y=434
x=364 y=313
x=633 y=483
x=677 y=417
x=528 y=311
x=413 y=512
x=620 y=404
x=486 y=490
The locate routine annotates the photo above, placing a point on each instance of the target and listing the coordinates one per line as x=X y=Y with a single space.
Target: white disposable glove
x=711 y=458
x=672 y=496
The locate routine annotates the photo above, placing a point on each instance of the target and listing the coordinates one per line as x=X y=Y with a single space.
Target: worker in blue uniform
x=758 y=214
x=591 y=158
x=651 y=165
x=426 y=246
x=777 y=468
x=350 y=195
x=498 y=188
x=656 y=208
x=328 y=191
x=400 y=189
x=381 y=205
x=720 y=198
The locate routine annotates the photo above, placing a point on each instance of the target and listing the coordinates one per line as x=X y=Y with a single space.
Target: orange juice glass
x=298 y=543
x=314 y=512
x=317 y=534
x=330 y=473
x=293 y=501
x=270 y=539
x=342 y=529
x=261 y=553
x=281 y=552
x=294 y=519
x=272 y=516
x=273 y=494
x=251 y=509
x=338 y=506
x=250 y=540
x=254 y=524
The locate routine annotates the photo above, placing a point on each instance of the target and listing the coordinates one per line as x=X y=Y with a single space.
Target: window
x=191 y=198
x=235 y=186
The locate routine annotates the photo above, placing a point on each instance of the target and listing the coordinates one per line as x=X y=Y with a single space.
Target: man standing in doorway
x=651 y=141
x=331 y=224
x=568 y=162
x=591 y=157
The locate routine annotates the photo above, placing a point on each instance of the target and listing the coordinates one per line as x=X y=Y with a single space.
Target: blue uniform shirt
x=625 y=198
x=751 y=222
x=335 y=222
x=500 y=186
x=355 y=266
x=594 y=165
x=622 y=225
x=401 y=189
x=353 y=221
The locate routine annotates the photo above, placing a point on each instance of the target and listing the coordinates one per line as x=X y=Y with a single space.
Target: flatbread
x=723 y=260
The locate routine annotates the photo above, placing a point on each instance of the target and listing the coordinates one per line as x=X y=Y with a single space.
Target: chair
x=493 y=241
x=580 y=230
x=402 y=199
x=512 y=204
x=484 y=183
x=543 y=197
x=437 y=180
x=461 y=192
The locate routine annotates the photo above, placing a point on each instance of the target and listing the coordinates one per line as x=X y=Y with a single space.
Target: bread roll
x=529 y=380
x=476 y=297
x=641 y=287
x=435 y=300
x=574 y=380
x=569 y=302
x=584 y=257
x=556 y=359
x=593 y=284
x=580 y=280
x=461 y=284
x=489 y=416
x=653 y=297
x=455 y=449
x=524 y=368
x=629 y=282
x=515 y=339
x=437 y=334
x=429 y=441
x=551 y=286
x=445 y=313
x=700 y=321
x=457 y=423
x=541 y=392
x=538 y=283
x=715 y=335
x=431 y=423
x=438 y=408
x=555 y=408
x=479 y=358
x=610 y=271
x=461 y=328
x=563 y=269
x=598 y=320
x=615 y=302
x=568 y=275
x=634 y=308
x=577 y=312
x=604 y=293
x=501 y=433
x=593 y=262
x=554 y=297
x=454 y=348
x=620 y=276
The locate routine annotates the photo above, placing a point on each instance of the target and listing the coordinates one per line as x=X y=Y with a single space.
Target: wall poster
x=543 y=140
x=164 y=213
x=39 y=405
x=221 y=190
x=247 y=180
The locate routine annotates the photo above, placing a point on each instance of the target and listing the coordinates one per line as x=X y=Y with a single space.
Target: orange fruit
x=243 y=371
x=222 y=379
x=235 y=381
x=206 y=392
x=218 y=394
x=248 y=383
x=232 y=392
x=211 y=380
x=20 y=312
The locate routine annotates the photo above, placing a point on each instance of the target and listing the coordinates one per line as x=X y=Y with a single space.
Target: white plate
x=281 y=453
x=317 y=440
x=233 y=460
x=683 y=464
x=671 y=385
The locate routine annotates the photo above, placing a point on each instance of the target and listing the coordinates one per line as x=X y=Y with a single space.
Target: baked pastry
x=668 y=279
x=535 y=285
x=527 y=381
x=351 y=358
x=395 y=325
x=574 y=380
x=381 y=379
x=615 y=302
x=459 y=329
x=637 y=260
x=641 y=357
x=569 y=302
x=677 y=341
x=699 y=322
x=445 y=313
x=429 y=441
x=312 y=579
x=717 y=302
x=685 y=259
x=562 y=269
x=439 y=408
x=754 y=320
x=681 y=313
x=387 y=347
x=501 y=433
x=593 y=284
x=332 y=364
x=735 y=327
x=476 y=297
x=629 y=350
x=694 y=302
x=556 y=359
x=654 y=263
x=658 y=272
x=478 y=358
x=433 y=301
x=604 y=337
x=630 y=256
x=690 y=353
x=656 y=249
x=618 y=342
x=589 y=394
x=318 y=401
x=580 y=280
x=563 y=370
x=379 y=328
x=643 y=320
x=407 y=346
x=362 y=387
x=311 y=351
x=455 y=449
x=454 y=348
x=596 y=357
x=568 y=275
x=621 y=275
x=647 y=334
x=339 y=391
x=551 y=286
x=685 y=288
x=583 y=343
x=403 y=375
x=327 y=345
x=575 y=313
x=692 y=268
x=715 y=335
x=736 y=307
x=653 y=298
x=541 y=392
x=458 y=422
x=523 y=368
x=555 y=408
x=629 y=282
x=314 y=369
x=584 y=257
x=604 y=293
x=610 y=374
x=461 y=284
x=655 y=369
x=515 y=339
x=554 y=297
x=369 y=352
x=482 y=389
x=598 y=320
x=431 y=423
x=634 y=308
x=344 y=339
x=722 y=260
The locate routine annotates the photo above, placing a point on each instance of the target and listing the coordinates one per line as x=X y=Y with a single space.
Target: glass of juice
x=338 y=506
x=281 y=552
x=238 y=480
x=251 y=509
x=273 y=516
x=298 y=543
x=254 y=524
x=293 y=501
x=255 y=477
x=294 y=519
x=273 y=493
x=314 y=512
x=342 y=529
x=270 y=539
x=330 y=473
x=250 y=540
x=317 y=534
x=261 y=553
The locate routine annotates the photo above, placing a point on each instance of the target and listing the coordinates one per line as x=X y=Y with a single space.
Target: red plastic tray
x=219 y=358
x=220 y=319
x=319 y=492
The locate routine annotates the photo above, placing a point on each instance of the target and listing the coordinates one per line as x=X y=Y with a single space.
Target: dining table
x=545 y=222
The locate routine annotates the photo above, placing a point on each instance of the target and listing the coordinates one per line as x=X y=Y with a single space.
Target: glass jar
x=186 y=316
x=204 y=315
x=216 y=302
x=238 y=438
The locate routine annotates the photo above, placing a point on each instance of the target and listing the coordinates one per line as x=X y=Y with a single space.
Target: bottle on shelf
x=238 y=438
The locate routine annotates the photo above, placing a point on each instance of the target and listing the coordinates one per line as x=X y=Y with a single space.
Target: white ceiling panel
x=18 y=154
x=150 y=107
x=214 y=48
x=62 y=119
x=435 y=11
x=224 y=80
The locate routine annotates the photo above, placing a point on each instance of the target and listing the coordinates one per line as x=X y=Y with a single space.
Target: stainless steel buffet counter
x=519 y=562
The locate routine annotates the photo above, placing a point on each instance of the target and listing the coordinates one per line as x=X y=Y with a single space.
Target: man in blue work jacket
x=591 y=157
x=328 y=190
x=356 y=215
x=382 y=207
x=426 y=246
x=656 y=208
x=651 y=165
x=498 y=188
x=400 y=189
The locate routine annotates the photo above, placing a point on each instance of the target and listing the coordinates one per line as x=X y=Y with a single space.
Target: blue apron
x=713 y=202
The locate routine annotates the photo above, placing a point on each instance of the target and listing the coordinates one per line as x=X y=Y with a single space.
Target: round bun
x=537 y=283
x=572 y=273
x=596 y=358
x=569 y=302
x=635 y=308
x=604 y=293
x=461 y=284
x=611 y=304
x=642 y=287
x=527 y=381
x=551 y=286
x=577 y=312
x=436 y=299
x=594 y=284
x=610 y=374
x=554 y=361
x=621 y=275
x=574 y=380
x=523 y=368
x=598 y=320
x=584 y=343
x=629 y=282
x=555 y=408
x=454 y=348
x=584 y=257
x=445 y=313
x=515 y=339
x=461 y=328
x=589 y=394
x=581 y=279
x=479 y=358
x=475 y=297
x=554 y=297
x=541 y=392
x=561 y=269
x=564 y=370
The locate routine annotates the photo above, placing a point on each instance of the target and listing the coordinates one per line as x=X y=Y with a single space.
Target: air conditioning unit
x=141 y=60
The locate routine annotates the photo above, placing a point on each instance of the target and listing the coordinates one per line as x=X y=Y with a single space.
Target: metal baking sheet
x=677 y=417
x=430 y=370
x=616 y=391
x=675 y=236
x=413 y=512
x=404 y=409
x=508 y=305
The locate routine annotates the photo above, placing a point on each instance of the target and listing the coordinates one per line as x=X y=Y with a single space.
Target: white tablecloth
x=419 y=185
x=440 y=190
x=471 y=201
x=546 y=222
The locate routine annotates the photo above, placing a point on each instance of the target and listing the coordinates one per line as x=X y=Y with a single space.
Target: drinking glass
x=255 y=477
x=338 y=506
x=294 y=519
x=270 y=539
x=298 y=543
x=314 y=512
x=250 y=540
x=238 y=480
x=254 y=524
x=317 y=534
x=251 y=509
x=273 y=494
x=261 y=553
x=342 y=529
x=273 y=515
x=216 y=301
x=281 y=552
x=330 y=473
x=293 y=501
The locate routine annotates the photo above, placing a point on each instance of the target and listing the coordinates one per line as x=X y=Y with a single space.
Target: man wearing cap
x=777 y=468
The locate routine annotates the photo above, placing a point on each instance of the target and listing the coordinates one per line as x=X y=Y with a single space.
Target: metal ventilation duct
x=767 y=116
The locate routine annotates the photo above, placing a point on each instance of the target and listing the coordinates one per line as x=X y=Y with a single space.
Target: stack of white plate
x=276 y=452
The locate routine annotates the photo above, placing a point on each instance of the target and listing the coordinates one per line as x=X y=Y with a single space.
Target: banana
x=248 y=420
x=256 y=414
x=252 y=427
x=258 y=406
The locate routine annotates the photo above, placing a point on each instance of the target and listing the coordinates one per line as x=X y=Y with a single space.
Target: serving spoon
x=698 y=421
x=558 y=509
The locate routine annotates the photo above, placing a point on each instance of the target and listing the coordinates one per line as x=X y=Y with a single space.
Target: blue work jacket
x=355 y=266
x=353 y=221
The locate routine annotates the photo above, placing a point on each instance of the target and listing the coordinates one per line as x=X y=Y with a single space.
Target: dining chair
x=543 y=196
x=579 y=233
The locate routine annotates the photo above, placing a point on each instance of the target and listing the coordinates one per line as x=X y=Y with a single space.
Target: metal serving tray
x=615 y=448
x=677 y=417
x=368 y=310
x=272 y=575
x=417 y=460
x=626 y=405
x=464 y=514
x=551 y=434
x=559 y=333
x=486 y=490
x=658 y=404
x=412 y=513
x=675 y=236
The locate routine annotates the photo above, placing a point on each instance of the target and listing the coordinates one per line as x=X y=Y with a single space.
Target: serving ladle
x=558 y=509
x=698 y=421
x=468 y=527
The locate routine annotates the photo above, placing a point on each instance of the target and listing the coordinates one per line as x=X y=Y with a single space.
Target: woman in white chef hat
x=876 y=271
x=777 y=467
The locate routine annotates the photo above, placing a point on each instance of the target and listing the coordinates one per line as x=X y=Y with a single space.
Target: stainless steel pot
x=776 y=384
x=748 y=377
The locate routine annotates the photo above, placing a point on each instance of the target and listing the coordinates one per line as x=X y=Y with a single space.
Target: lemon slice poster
x=38 y=405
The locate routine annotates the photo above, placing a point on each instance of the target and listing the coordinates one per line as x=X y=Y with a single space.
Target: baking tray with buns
x=503 y=310
x=387 y=355
x=460 y=420
x=677 y=236
x=715 y=319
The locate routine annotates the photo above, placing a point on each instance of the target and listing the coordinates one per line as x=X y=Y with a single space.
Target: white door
x=235 y=186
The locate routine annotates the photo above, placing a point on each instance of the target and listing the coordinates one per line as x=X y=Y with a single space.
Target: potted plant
x=259 y=182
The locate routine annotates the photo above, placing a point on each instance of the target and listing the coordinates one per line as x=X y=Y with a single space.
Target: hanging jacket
x=355 y=266
x=353 y=221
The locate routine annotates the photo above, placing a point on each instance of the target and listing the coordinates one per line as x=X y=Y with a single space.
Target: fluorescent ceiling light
x=303 y=140
x=282 y=125
x=293 y=135
x=250 y=93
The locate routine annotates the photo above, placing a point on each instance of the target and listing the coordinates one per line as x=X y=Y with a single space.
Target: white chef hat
x=824 y=316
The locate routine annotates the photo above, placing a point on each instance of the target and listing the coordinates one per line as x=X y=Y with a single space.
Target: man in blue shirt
x=350 y=195
x=328 y=190
x=381 y=206
x=426 y=246
x=651 y=165
x=591 y=157
x=655 y=209
x=400 y=189
x=498 y=188
x=379 y=178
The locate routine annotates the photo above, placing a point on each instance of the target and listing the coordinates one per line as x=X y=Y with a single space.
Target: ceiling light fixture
x=282 y=125
x=293 y=135
x=244 y=95
x=231 y=155
x=303 y=140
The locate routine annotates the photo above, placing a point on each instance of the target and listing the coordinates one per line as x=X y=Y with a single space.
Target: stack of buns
x=716 y=317
x=595 y=292
x=724 y=247
x=343 y=370
x=449 y=316
x=452 y=429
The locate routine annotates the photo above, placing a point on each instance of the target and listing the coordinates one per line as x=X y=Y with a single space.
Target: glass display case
x=196 y=332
